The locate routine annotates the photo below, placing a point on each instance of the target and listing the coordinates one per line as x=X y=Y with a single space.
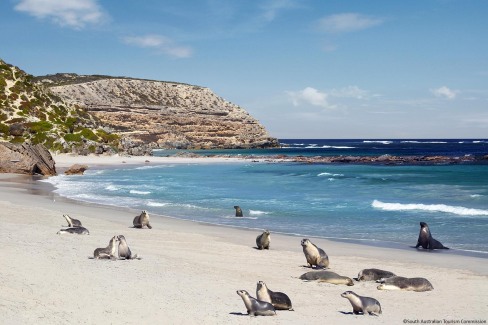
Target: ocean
x=370 y=204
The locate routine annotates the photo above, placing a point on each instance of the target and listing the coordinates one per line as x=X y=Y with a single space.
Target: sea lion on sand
x=124 y=250
x=407 y=284
x=426 y=240
x=314 y=255
x=107 y=252
x=142 y=220
x=238 y=211
x=279 y=300
x=327 y=276
x=256 y=307
x=72 y=222
x=373 y=274
x=74 y=230
x=360 y=304
x=263 y=240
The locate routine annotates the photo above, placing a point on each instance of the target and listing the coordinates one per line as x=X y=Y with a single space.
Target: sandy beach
x=189 y=271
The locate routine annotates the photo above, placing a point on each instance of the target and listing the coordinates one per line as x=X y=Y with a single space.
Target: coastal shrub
x=4 y=129
x=107 y=137
x=41 y=126
x=18 y=139
x=73 y=137
x=70 y=123
x=88 y=134
x=39 y=137
x=57 y=147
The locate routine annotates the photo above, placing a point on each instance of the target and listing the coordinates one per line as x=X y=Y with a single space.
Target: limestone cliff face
x=162 y=114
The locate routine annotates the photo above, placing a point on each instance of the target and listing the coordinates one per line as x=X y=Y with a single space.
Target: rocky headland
x=70 y=113
x=149 y=114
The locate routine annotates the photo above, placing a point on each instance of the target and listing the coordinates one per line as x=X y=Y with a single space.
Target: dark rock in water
x=76 y=169
x=26 y=159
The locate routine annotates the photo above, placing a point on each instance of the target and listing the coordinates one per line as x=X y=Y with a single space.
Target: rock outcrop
x=150 y=114
x=26 y=159
x=76 y=169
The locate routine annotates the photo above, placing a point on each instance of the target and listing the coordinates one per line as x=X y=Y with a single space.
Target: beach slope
x=189 y=272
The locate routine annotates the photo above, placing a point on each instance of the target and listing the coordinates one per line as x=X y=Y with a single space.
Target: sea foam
x=462 y=211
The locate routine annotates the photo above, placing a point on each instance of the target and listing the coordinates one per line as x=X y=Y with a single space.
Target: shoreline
x=191 y=270
x=101 y=162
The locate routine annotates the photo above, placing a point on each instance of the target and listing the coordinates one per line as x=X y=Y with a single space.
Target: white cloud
x=71 y=13
x=350 y=92
x=333 y=98
x=347 y=22
x=160 y=43
x=444 y=92
x=272 y=7
x=310 y=96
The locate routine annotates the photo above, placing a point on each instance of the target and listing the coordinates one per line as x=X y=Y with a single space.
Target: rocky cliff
x=154 y=114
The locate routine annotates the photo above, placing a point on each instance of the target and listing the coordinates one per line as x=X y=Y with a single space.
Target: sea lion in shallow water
x=360 y=304
x=72 y=222
x=426 y=240
x=106 y=252
x=373 y=274
x=327 y=276
x=238 y=211
x=279 y=300
x=314 y=255
x=74 y=230
x=142 y=220
x=407 y=284
x=263 y=240
x=256 y=307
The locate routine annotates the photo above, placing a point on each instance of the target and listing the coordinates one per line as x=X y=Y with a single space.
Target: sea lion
x=256 y=307
x=72 y=222
x=360 y=304
x=426 y=240
x=107 y=252
x=327 y=276
x=314 y=255
x=142 y=220
x=407 y=284
x=373 y=274
x=279 y=300
x=124 y=250
x=263 y=240
x=74 y=230
x=238 y=211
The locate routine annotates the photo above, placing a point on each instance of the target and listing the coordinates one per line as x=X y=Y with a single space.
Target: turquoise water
x=371 y=203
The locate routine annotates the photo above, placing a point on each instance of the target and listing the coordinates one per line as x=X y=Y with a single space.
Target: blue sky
x=304 y=68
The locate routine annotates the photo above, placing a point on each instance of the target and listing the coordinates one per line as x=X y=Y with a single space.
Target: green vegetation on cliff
x=30 y=112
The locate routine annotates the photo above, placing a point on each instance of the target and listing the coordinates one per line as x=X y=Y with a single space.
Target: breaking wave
x=462 y=211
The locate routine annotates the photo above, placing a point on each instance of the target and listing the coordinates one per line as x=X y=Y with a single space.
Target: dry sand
x=189 y=272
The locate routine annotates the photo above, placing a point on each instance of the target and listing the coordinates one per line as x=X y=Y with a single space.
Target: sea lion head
x=120 y=238
x=345 y=294
x=305 y=242
x=350 y=282
x=260 y=285
x=423 y=225
x=242 y=293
